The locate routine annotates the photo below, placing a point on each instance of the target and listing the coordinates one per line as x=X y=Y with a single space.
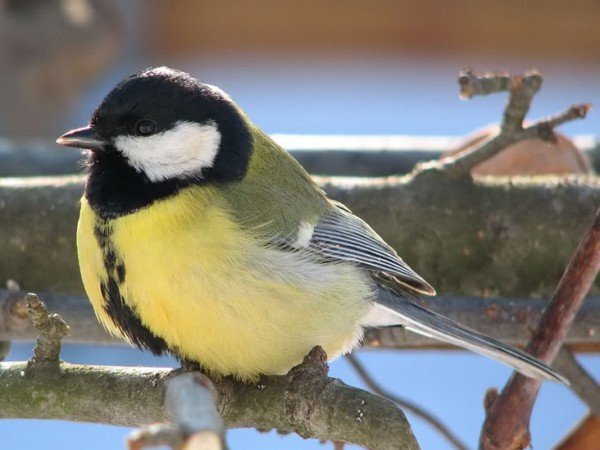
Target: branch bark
x=522 y=88
x=51 y=329
x=507 y=422
x=305 y=401
x=487 y=238
x=509 y=320
x=311 y=405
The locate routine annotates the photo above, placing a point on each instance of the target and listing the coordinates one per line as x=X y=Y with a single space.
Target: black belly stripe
x=115 y=306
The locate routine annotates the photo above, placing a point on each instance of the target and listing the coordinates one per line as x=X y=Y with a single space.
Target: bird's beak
x=85 y=137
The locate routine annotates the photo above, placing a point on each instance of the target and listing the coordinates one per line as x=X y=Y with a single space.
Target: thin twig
x=196 y=424
x=521 y=89
x=582 y=383
x=462 y=163
x=51 y=329
x=405 y=403
x=507 y=422
x=488 y=83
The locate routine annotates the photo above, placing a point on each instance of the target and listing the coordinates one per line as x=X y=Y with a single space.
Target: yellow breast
x=215 y=294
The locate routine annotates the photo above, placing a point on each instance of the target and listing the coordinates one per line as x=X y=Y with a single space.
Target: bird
x=200 y=237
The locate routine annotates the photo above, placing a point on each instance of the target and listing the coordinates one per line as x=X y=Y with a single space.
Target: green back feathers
x=277 y=194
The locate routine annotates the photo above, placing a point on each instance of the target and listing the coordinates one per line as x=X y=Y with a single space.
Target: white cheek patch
x=185 y=149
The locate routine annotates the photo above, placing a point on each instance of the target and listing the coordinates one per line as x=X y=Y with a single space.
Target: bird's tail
x=431 y=324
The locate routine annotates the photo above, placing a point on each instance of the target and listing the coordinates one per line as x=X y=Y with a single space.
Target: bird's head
x=166 y=125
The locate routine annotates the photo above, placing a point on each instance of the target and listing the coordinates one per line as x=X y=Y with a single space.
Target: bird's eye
x=145 y=127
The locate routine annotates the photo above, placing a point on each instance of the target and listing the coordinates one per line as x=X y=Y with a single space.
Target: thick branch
x=312 y=406
x=485 y=238
x=509 y=320
x=507 y=422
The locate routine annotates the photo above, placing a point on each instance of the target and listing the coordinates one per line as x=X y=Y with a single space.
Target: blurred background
x=312 y=67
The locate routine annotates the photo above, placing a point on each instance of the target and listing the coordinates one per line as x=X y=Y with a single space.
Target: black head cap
x=148 y=103
x=162 y=97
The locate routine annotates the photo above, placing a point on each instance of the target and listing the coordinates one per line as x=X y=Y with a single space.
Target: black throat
x=114 y=188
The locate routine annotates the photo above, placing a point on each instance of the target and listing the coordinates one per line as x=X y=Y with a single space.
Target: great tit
x=200 y=236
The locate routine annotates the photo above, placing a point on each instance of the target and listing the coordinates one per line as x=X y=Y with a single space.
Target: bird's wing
x=290 y=212
x=339 y=235
x=280 y=198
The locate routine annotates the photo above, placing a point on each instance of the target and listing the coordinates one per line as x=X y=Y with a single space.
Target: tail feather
x=431 y=324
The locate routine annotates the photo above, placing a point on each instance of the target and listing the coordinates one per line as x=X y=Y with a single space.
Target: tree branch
x=305 y=401
x=51 y=329
x=312 y=405
x=507 y=422
x=522 y=88
x=488 y=238
x=509 y=320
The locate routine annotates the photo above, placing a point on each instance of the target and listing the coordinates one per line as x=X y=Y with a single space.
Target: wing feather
x=342 y=236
